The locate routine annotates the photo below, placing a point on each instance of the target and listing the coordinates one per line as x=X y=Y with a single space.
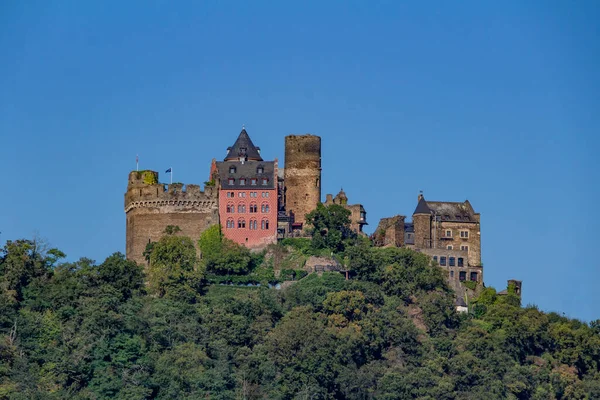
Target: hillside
x=190 y=328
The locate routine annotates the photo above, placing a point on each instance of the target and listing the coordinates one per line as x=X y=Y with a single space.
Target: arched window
x=264 y=224
x=241 y=223
x=230 y=208
x=230 y=224
x=253 y=224
x=241 y=208
x=264 y=208
x=253 y=208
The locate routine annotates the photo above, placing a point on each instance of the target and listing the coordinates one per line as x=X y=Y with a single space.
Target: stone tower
x=151 y=206
x=302 y=175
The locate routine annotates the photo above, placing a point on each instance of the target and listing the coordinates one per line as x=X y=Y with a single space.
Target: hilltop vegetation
x=101 y=331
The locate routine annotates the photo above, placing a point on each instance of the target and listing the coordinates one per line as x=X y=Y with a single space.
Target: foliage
x=330 y=227
x=174 y=269
x=470 y=284
x=78 y=330
x=221 y=255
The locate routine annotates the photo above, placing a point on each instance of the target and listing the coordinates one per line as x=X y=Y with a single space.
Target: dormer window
x=260 y=170
x=264 y=181
x=231 y=181
x=232 y=170
x=242 y=181
x=253 y=181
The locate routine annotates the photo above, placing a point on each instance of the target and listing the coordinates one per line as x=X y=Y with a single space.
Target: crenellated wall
x=151 y=206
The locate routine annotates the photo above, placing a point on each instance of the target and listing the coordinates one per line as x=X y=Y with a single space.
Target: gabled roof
x=243 y=146
x=447 y=210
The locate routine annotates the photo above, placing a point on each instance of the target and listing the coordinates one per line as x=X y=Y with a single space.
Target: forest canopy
x=87 y=330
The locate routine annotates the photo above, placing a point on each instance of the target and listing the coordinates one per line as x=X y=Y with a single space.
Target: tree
x=330 y=227
x=175 y=270
x=221 y=255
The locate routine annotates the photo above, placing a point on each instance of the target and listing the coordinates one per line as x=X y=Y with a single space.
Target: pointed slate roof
x=422 y=207
x=243 y=146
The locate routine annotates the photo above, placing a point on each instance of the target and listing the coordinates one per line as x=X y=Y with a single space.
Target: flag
x=167 y=171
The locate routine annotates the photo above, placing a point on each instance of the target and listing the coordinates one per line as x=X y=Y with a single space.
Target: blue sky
x=496 y=102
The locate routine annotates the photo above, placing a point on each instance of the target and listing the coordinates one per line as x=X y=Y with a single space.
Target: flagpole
x=137 y=162
x=171 y=174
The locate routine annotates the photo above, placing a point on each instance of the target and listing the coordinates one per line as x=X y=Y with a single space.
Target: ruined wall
x=390 y=232
x=150 y=207
x=302 y=175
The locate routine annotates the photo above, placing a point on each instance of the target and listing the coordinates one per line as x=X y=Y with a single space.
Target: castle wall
x=150 y=207
x=302 y=175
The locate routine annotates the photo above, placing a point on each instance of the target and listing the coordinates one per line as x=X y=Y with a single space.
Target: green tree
x=330 y=227
x=221 y=255
x=174 y=269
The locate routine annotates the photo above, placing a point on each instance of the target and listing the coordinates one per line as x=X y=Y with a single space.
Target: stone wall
x=390 y=232
x=302 y=175
x=150 y=207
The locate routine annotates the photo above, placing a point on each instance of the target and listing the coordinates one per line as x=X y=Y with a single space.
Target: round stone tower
x=302 y=175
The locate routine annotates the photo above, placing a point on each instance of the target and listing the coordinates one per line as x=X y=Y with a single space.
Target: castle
x=257 y=203
x=254 y=200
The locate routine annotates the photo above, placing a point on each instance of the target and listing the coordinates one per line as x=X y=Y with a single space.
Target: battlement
x=144 y=190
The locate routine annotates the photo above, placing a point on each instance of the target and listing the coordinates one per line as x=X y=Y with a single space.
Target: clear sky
x=495 y=102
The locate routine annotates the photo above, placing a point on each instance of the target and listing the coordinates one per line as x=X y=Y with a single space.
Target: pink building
x=247 y=194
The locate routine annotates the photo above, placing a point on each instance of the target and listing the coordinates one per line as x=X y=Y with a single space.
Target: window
x=264 y=208
x=265 y=194
x=363 y=217
x=230 y=208
x=264 y=224
x=231 y=181
x=253 y=181
x=464 y=234
x=449 y=247
x=252 y=194
x=443 y=261
x=232 y=170
x=451 y=274
x=473 y=276
x=242 y=181
x=265 y=181
x=462 y=276
x=241 y=194
x=241 y=223
x=230 y=224
x=241 y=208
x=448 y=233
x=451 y=261
x=461 y=261
x=253 y=224
x=253 y=208
x=465 y=248
x=260 y=170
x=435 y=258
